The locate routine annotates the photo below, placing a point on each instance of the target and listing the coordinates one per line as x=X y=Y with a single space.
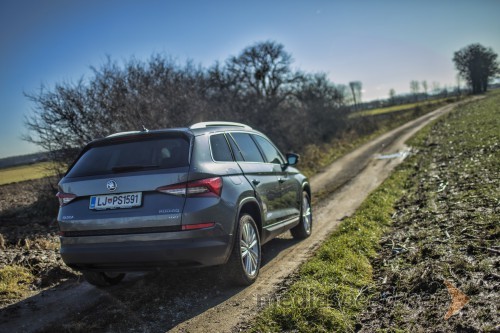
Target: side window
x=236 y=150
x=220 y=149
x=271 y=153
x=247 y=147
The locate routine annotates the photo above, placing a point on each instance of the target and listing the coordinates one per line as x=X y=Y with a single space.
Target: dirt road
x=199 y=301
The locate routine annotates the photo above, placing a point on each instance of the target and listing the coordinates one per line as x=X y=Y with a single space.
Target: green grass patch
x=331 y=286
x=403 y=107
x=15 y=282
x=26 y=172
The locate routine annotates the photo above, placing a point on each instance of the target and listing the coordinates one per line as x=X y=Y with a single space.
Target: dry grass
x=15 y=282
x=40 y=243
x=26 y=172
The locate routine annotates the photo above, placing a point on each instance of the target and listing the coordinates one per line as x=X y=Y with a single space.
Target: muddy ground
x=28 y=236
x=446 y=233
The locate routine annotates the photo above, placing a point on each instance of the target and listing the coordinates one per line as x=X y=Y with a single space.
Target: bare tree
x=260 y=84
x=425 y=87
x=436 y=88
x=459 y=82
x=415 y=89
x=392 y=95
x=155 y=94
x=356 y=89
x=262 y=69
x=257 y=87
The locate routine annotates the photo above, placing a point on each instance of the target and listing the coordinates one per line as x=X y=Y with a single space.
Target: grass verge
x=347 y=272
x=330 y=290
x=15 y=282
x=396 y=108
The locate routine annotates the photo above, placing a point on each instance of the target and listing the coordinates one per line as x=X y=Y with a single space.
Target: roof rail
x=218 y=123
x=123 y=133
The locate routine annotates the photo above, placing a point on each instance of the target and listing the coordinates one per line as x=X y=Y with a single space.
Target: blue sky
x=384 y=44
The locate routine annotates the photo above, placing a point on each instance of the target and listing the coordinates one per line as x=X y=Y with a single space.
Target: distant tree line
x=12 y=161
x=257 y=87
x=476 y=64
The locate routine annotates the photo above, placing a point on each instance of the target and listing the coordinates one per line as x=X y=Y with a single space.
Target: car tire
x=103 y=279
x=304 y=228
x=243 y=265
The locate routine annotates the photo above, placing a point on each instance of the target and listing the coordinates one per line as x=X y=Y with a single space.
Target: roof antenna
x=144 y=129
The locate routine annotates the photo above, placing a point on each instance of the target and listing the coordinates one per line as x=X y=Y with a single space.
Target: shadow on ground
x=153 y=301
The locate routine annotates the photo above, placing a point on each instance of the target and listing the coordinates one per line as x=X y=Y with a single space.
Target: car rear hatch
x=117 y=185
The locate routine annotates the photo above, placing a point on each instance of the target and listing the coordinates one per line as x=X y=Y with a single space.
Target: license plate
x=113 y=201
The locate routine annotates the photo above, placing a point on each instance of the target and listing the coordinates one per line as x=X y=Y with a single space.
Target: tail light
x=197 y=188
x=65 y=198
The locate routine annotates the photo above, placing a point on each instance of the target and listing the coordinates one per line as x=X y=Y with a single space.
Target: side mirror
x=292 y=159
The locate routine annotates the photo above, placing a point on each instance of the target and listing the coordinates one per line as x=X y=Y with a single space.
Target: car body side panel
x=263 y=178
x=291 y=192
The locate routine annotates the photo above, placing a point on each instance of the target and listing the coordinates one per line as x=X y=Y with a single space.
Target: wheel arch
x=251 y=207
x=307 y=188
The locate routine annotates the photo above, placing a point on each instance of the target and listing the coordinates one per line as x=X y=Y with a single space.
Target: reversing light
x=65 y=198
x=197 y=188
x=177 y=189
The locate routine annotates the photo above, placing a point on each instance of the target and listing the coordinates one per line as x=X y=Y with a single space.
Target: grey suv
x=209 y=194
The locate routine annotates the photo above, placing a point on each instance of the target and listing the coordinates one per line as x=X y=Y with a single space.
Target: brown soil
x=28 y=236
x=439 y=269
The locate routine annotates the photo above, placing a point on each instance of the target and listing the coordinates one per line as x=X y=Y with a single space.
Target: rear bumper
x=206 y=247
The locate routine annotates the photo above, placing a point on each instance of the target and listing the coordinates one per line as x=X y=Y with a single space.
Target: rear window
x=150 y=154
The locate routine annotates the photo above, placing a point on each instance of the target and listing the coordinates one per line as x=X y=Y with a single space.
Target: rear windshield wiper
x=125 y=168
